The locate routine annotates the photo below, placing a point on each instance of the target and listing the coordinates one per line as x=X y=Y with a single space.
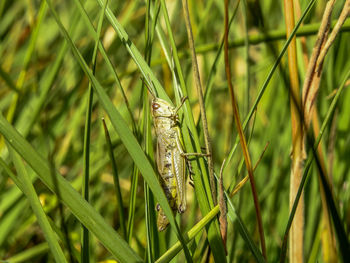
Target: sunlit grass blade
x=103 y=52
x=31 y=113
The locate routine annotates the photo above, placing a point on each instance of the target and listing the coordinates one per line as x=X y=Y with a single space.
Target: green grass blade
x=8 y=80
x=85 y=257
x=29 y=53
x=27 y=187
x=116 y=181
x=152 y=234
x=132 y=203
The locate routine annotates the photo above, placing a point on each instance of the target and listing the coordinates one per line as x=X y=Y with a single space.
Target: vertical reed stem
x=297 y=230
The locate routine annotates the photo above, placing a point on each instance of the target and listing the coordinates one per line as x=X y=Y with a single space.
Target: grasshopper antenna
x=150 y=90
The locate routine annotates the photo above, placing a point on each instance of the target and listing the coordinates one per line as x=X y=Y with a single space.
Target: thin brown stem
x=343 y=15
x=241 y=135
x=201 y=99
x=308 y=91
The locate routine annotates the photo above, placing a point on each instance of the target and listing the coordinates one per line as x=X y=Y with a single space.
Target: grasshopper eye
x=155 y=106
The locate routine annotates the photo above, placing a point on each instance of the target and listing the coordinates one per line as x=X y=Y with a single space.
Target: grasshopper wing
x=179 y=170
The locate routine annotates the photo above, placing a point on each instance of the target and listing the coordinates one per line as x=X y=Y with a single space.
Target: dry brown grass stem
x=296 y=244
x=313 y=74
x=343 y=15
x=200 y=99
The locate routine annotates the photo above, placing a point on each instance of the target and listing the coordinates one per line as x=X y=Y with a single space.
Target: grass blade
x=27 y=187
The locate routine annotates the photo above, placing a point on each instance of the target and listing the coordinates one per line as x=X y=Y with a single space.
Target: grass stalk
x=152 y=235
x=296 y=244
x=198 y=84
x=117 y=189
x=310 y=92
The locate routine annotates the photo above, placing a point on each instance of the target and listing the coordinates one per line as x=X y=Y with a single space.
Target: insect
x=170 y=158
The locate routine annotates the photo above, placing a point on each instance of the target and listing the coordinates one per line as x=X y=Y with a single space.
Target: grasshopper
x=170 y=158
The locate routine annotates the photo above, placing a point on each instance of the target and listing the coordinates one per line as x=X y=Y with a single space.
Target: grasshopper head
x=161 y=108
